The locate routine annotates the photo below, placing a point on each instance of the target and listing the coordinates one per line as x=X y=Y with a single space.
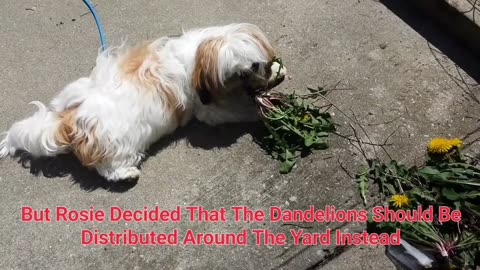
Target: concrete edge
x=460 y=17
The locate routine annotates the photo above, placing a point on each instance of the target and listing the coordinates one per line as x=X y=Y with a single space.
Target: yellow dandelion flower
x=456 y=142
x=439 y=146
x=306 y=117
x=443 y=145
x=399 y=200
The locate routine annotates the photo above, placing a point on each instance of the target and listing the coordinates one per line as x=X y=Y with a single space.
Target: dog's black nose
x=255 y=66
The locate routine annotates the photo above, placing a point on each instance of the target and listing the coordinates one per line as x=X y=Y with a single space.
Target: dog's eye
x=255 y=66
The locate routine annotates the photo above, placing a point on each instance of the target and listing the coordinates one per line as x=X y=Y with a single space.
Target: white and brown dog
x=135 y=96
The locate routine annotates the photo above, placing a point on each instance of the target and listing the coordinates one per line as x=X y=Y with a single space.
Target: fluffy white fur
x=135 y=96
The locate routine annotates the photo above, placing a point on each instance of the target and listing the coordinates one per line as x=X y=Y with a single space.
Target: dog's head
x=241 y=60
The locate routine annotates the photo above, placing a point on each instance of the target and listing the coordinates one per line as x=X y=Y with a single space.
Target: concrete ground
x=399 y=64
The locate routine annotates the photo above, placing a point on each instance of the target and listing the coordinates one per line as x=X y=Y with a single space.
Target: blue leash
x=97 y=21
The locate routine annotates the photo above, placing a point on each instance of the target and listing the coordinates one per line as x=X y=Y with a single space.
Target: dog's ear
x=206 y=77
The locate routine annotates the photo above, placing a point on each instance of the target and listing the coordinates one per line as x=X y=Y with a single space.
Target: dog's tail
x=35 y=134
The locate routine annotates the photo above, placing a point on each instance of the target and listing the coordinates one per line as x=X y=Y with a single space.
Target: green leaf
x=463 y=182
x=474 y=208
x=470 y=195
x=309 y=141
x=322 y=134
x=321 y=143
x=390 y=188
x=450 y=194
x=286 y=166
x=458 y=205
x=422 y=193
x=363 y=185
x=427 y=170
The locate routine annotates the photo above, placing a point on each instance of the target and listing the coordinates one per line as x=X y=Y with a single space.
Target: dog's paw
x=121 y=174
x=129 y=174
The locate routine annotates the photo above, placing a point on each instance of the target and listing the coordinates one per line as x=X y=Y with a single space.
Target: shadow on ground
x=448 y=47
x=196 y=134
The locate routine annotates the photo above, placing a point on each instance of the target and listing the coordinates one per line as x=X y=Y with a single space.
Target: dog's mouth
x=266 y=100
x=277 y=76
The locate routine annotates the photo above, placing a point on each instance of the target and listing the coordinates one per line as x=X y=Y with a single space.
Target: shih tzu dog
x=135 y=96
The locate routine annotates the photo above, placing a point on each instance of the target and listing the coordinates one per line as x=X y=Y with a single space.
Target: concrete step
x=460 y=17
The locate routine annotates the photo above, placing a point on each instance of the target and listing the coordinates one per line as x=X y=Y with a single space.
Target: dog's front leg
x=121 y=167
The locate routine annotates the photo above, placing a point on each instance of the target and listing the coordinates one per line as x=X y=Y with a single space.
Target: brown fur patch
x=83 y=143
x=172 y=106
x=132 y=61
x=205 y=73
x=133 y=67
